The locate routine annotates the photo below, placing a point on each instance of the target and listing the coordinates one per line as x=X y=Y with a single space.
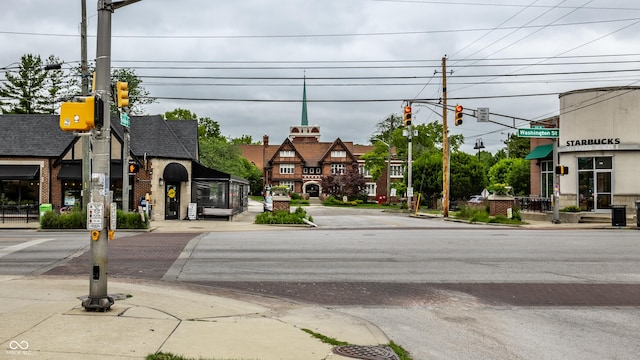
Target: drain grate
x=366 y=352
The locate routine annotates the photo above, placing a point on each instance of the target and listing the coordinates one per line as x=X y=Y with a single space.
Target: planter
x=498 y=204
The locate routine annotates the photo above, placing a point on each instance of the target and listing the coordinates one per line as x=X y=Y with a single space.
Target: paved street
x=443 y=290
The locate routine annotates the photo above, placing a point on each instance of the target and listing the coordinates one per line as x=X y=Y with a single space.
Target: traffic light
x=122 y=91
x=407 y=115
x=458 y=117
x=562 y=170
x=82 y=114
x=134 y=168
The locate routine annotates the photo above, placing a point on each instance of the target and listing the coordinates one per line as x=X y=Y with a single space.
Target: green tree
x=138 y=95
x=514 y=172
x=26 y=89
x=467 y=175
x=517 y=147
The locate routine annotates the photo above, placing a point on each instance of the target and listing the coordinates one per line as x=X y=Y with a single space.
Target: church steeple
x=304 y=133
x=305 y=119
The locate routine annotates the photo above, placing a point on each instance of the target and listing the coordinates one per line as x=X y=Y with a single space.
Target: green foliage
x=514 y=172
x=518 y=147
x=474 y=214
x=572 y=208
x=500 y=189
x=296 y=196
x=468 y=176
x=282 y=217
x=325 y=339
x=131 y=220
x=332 y=201
x=77 y=219
x=30 y=88
x=138 y=95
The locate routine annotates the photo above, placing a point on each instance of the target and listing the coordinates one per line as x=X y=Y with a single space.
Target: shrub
x=296 y=196
x=571 y=208
x=77 y=219
x=282 y=217
x=131 y=220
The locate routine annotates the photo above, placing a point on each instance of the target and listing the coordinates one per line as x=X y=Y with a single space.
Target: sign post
x=553 y=133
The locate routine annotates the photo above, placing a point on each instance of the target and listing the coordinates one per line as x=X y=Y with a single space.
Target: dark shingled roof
x=173 y=139
x=30 y=135
x=25 y=135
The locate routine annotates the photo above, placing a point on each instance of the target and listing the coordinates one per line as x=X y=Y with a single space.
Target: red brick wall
x=499 y=207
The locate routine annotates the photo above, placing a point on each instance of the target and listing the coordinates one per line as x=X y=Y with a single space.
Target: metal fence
x=19 y=213
x=534 y=204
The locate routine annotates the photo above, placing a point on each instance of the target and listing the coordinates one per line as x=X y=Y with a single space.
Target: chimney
x=265 y=140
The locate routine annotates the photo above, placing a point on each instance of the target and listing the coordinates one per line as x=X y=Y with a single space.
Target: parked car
x=268 y=203
x=476 y=199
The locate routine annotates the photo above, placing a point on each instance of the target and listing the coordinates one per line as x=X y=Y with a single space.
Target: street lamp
x=479 y=146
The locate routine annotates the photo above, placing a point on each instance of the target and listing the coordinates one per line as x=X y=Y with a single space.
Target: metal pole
x=86 y=140
x=556 y=185
x=100 y=179
x=445 y=143
x=125 y=170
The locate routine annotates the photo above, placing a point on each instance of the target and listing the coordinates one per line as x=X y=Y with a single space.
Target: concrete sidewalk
x=42 y=318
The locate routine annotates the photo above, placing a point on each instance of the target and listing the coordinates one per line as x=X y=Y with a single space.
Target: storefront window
x=19 y=192
x=71 y=194
x=546 y=173
x=595 y=189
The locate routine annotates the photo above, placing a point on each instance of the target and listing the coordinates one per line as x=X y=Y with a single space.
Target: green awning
x=540 y=152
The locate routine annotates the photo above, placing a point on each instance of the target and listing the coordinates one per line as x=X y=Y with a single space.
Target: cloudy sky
x=242 y=62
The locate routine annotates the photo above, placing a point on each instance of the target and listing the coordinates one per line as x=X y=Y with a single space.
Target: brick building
x=40 y=163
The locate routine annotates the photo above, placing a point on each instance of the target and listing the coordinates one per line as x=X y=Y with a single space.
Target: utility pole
x=445 y=143
x=410 y=167
x=389 y=160
x=556 y=181
x=86 y=140
x=98 y=298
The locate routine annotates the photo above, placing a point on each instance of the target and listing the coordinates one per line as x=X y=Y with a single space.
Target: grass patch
x=170 y=356
x=399 y=350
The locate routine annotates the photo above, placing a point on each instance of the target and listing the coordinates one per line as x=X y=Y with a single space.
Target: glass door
x=172 y=202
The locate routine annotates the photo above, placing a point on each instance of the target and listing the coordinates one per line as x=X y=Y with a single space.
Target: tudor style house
x=41 y=164
x=301 y=160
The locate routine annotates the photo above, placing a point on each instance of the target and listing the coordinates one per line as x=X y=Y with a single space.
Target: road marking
x=11 y=249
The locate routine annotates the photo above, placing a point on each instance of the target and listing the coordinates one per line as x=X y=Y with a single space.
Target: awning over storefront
x=540 y=152
x=70 y=172
x=73 y=171
x=19 y=172
x=175 y=172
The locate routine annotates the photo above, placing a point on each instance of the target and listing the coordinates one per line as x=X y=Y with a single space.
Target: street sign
x=124 y=119
x=95 y=214
x=539 y=133
x=482 y=114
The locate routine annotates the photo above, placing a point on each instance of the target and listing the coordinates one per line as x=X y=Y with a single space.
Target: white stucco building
x=600 y=144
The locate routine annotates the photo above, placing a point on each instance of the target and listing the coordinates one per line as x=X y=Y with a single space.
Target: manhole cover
x=366 y=352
